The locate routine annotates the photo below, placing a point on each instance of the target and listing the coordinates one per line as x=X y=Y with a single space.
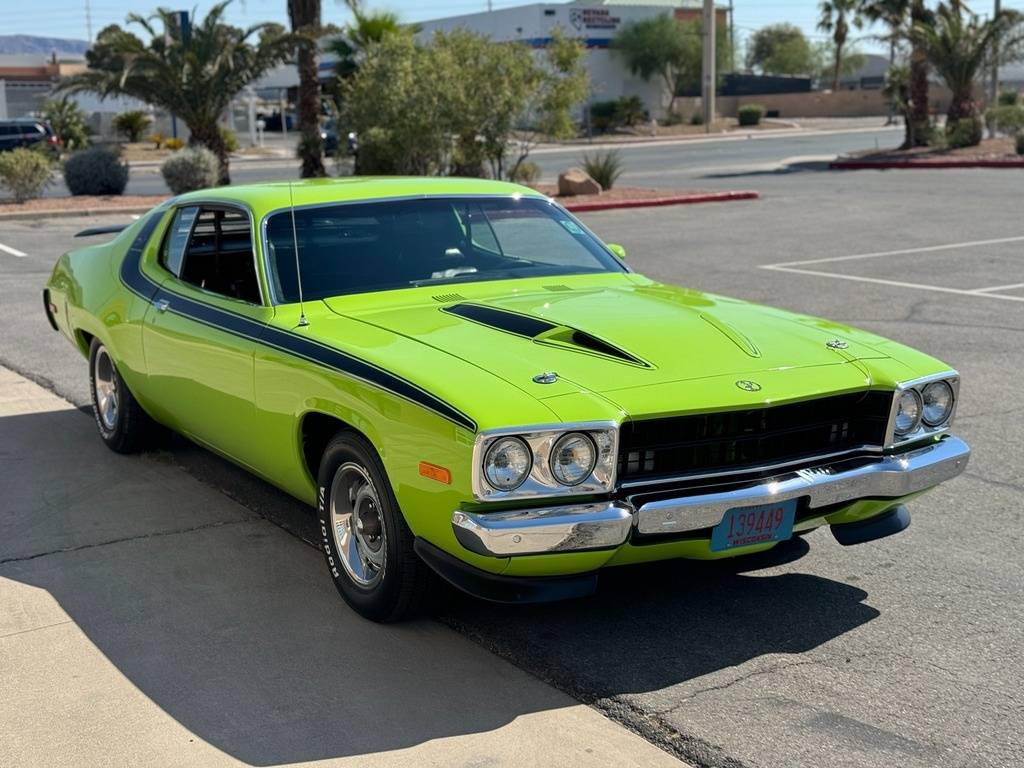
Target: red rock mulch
x=991 y=153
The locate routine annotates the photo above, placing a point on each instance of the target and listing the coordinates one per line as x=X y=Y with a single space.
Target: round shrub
x=966 y=132
x=1008 y=98
x=750 y=114
x=190 y=169
x=24 y=172
x=96 y=171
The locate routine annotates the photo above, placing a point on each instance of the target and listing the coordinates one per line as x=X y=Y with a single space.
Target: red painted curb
x=867 y=165
x=703 y=197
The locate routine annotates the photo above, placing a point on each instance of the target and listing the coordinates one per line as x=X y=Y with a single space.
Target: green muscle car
x=463 y=379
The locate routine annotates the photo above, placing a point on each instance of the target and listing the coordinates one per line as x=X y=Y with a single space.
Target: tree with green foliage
x=304 y=16
x=837 y=16
x=132 y=124
x=959 y=44
x=195 y=80
x=366 y=29
x=780 y=49
x=672 y=51
x=68 y=122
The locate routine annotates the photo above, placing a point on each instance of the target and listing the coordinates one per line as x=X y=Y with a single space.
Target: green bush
x=750 y=114
x=1006 y=118
x=1019 y=142
x=966 y=132
x=190 y=169
x=24 y=172
x=697 y=118
x=603 y=167
x=68 y=121
x=132 y=124
x=527 y=173
x=602 y=115
x=629 y=111
x=96 y=171
x=1008 y=98
x=229 y=137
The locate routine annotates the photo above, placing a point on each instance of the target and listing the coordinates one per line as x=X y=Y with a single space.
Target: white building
x=595 y=22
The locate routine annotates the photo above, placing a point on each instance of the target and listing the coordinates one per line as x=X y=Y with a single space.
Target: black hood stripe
x=284 y=341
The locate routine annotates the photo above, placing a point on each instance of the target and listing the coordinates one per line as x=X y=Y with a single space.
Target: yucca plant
x=132 y=124
x=603 y=167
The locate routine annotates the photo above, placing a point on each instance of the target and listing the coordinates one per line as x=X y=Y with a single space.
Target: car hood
x=615 y=336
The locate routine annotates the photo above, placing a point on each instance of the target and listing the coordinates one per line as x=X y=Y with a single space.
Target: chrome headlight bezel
x=541 y=440
x=923 y=430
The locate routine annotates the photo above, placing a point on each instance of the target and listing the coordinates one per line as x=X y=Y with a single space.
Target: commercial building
x=595 y=22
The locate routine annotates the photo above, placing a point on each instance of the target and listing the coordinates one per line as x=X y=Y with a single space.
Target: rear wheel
x=122 y=423
x=366 y=542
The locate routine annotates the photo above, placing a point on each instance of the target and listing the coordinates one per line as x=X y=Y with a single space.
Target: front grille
x=745 y=440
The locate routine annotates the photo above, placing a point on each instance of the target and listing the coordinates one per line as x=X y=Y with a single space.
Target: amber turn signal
x=435 y=472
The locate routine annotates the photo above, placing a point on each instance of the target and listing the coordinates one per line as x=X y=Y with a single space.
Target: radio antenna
x=298 y=270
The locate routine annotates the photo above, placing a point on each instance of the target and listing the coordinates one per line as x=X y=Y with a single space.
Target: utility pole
x=708 y=79
x=732 y=38
x=88 y=21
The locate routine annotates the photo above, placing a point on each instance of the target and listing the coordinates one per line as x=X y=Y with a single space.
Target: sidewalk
x=148 y=620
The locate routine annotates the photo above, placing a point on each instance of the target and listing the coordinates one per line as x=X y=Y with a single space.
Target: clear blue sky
x=66 y=18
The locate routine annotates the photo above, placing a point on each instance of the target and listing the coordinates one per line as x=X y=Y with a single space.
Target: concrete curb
x=702 y=197
x=885 y=165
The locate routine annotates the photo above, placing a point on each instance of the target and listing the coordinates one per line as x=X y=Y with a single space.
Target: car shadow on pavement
x=802 y=166
x=233 y=628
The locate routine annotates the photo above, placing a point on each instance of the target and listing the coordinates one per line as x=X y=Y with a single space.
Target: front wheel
x=366 y=542
x=122 y=423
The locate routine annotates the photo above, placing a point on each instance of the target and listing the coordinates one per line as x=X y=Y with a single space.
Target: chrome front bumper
x=609 y=524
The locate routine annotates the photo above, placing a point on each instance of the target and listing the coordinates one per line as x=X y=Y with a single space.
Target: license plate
x=743 y=526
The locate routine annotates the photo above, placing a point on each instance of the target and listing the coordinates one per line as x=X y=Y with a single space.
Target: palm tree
x=305 y=19
x=836 y=18
x=365 y=29
x=959 y=45
x=894 y=14
x=195 y=79
x=920 y=17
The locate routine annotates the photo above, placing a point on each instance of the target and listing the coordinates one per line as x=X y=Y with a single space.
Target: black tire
x=125 y=427
x=390 y=582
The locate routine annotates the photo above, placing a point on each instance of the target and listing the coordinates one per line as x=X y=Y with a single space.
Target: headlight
x=507 y=464
x=546 y=460
x=938 y=403
x=573 y=458
x=908 y=412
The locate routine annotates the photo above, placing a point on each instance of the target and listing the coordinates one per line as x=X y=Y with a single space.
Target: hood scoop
x=542 y=331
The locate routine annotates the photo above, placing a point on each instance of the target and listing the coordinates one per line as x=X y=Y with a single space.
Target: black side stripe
x=284 y=341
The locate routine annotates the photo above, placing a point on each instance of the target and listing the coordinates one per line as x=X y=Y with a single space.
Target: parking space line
x=900 y=252
x=994 y=288
x=12 y=251
x=893 y=283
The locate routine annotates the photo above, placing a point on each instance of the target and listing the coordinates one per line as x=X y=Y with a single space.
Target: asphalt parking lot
x=901 y=652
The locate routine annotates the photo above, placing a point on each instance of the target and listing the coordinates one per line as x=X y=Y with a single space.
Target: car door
x=199 y=334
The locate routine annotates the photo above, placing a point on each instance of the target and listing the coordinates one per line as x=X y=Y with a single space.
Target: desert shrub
x=229 y=137
x=1019 y=142
x=629 y=110
x=697 y=118
x=158 y=140
x=1006 y=118
x=750 y=114
x=68 y=121
x=24 y=173
x=1008 y=98
x=527 y=172
x=96 y=171
x=190 y=169
x=132 y=124
x=174 y=144
x=602 y=115
x=965 y=132
x=603 y=167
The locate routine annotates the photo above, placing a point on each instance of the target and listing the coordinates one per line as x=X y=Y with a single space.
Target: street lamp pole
x=708 y=79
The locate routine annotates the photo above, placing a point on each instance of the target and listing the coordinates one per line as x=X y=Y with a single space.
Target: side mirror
x=618 y=250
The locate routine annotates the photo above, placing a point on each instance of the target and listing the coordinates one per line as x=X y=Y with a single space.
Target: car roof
x=269 y=196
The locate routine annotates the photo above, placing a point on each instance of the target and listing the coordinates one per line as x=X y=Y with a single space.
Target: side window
x=218 y=254
x=173 y=254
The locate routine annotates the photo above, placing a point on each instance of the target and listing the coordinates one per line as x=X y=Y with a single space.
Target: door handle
x=161 y=305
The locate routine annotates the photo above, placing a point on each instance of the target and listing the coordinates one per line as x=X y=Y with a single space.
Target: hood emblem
x=748 y=386
x=836 y=344
x=545 y=378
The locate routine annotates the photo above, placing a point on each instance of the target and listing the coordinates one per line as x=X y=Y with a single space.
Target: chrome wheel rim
x=104 y=378
x=357 y=524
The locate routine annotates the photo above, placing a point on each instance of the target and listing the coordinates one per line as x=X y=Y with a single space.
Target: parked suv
x=26 y=132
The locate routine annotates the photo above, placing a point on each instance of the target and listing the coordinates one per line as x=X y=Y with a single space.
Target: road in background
x=904 y=651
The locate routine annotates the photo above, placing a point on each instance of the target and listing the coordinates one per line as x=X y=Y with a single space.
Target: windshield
x=356 y=248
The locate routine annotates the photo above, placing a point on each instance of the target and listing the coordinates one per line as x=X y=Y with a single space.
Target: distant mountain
x=41 y=46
